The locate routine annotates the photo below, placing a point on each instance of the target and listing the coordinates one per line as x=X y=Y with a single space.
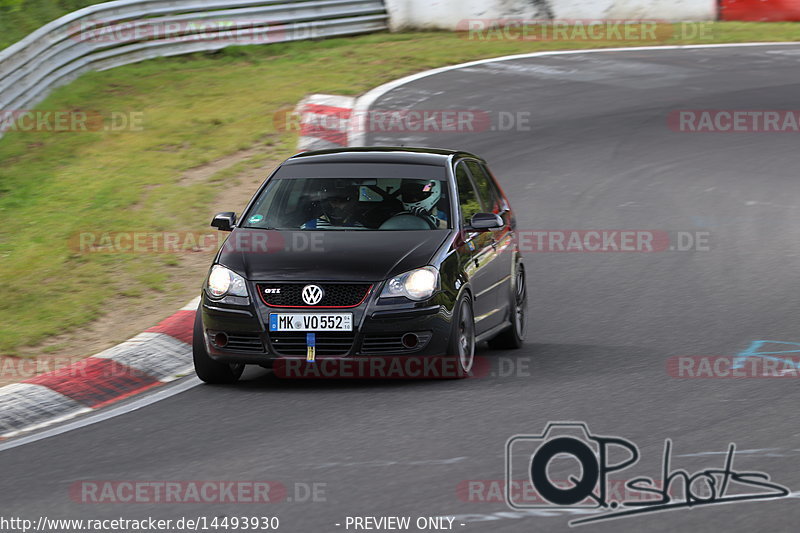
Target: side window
x=486 y=189
x=467 y=197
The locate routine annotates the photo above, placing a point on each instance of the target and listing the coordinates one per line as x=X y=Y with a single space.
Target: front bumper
x=378 y=326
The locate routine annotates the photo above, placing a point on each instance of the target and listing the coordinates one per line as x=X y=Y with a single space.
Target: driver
x=338 y=206
x=421 y=198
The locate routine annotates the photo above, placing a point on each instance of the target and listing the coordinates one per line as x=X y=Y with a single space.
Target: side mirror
x=486 y=222
x=224 y=221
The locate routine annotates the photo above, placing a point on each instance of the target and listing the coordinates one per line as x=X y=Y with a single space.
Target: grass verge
x=18 y=18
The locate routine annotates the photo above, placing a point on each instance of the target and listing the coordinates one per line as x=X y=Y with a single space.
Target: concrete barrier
x=447 y=14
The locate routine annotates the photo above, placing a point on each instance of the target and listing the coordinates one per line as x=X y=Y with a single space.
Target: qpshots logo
x=570 y=468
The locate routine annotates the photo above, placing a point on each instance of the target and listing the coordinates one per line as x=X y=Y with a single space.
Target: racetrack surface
x=599 y=155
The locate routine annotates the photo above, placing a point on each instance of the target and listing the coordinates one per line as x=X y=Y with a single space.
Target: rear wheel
x=462 y=338
x=513 y=337
x=206 y=368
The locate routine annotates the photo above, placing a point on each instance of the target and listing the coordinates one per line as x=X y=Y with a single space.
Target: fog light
x=221 y=340
x=410 y=340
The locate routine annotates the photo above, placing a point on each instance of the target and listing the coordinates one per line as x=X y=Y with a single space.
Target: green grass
x=196 y=109
x=18 y=18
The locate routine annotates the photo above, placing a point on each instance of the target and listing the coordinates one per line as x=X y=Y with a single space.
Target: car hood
x=372 y=256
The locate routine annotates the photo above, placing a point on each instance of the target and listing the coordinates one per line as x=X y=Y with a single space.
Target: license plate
x=311 y=322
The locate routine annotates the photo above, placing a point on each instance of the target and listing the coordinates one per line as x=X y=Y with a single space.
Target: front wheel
x=206 y=368
x=513 y=337
x=462 y=338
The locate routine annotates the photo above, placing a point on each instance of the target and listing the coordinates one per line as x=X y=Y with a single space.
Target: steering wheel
x=406 y=220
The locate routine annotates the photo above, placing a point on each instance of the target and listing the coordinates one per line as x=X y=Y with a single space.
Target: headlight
x=417 y=285
x=222 y=281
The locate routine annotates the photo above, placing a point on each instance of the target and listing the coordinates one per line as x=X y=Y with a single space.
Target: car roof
x=380 y=154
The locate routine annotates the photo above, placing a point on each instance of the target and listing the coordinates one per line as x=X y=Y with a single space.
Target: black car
x=359 y=253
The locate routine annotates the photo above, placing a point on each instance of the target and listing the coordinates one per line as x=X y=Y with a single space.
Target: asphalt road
x=598 y=155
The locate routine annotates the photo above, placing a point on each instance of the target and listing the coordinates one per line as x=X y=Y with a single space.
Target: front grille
x=327 y=344
x=391 y=344
x=335 y=294
x=241 y=342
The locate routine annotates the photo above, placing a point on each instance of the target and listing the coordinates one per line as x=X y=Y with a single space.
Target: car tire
x=462 y=337
x=514 y=337
x=206 y=368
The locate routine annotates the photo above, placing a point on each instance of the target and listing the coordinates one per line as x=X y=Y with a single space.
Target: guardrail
x=112 y=34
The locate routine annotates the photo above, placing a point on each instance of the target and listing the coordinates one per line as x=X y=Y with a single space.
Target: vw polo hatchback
x=359 y=253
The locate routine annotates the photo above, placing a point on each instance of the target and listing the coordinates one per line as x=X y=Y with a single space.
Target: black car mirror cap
x=486 y=222
x=224 y=221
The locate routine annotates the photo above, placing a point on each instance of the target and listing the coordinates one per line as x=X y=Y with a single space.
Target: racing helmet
x=337 y=201
x=416 y=194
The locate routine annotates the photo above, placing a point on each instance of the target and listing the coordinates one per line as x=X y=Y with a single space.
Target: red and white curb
x=157 y=356
x=324 y=121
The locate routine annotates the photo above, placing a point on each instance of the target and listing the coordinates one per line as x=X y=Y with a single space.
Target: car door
x=502 y=239
x=477 y=252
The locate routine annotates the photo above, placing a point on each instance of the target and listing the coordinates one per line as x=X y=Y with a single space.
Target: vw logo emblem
x=312 y=294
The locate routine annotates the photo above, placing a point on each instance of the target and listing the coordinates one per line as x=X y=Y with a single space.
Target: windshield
x=340 y=203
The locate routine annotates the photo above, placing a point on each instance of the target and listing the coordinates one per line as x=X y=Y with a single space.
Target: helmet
x=417 y=194
x=337 y=202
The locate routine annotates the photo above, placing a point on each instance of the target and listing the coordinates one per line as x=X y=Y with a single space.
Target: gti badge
x=272 y=291
x=312 y=294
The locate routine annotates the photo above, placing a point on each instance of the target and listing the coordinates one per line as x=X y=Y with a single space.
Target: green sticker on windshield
x=255 y=219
